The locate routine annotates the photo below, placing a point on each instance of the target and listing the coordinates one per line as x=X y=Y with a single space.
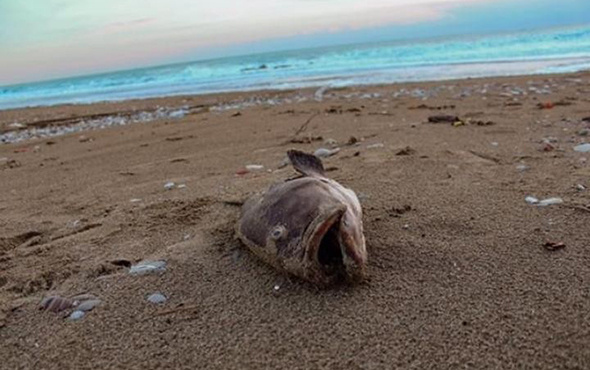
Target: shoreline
x=56 y=120
x=452 y=71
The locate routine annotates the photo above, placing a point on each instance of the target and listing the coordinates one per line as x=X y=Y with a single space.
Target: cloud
x=59 y=37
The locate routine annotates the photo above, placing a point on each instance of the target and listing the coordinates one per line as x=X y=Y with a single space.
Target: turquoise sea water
x=548 y=51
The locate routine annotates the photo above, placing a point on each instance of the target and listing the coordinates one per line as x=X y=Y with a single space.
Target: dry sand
x=458 y=273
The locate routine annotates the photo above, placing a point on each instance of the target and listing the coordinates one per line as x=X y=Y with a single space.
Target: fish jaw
x=333 y=248
x=352 y=244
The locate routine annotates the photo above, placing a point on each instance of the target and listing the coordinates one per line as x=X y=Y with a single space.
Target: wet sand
x=458 y=277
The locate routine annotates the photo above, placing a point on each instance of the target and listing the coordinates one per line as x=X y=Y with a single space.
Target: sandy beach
x=462 y=273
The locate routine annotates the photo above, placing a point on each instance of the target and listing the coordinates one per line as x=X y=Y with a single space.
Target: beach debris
x=352 y=140
x=522 y=167
x=406 y=226
x=375 y=146
x=554 y=246
x=181 y=186
x=169 y=185
x=531 y=200
x=319 y=93
x=314 y=218
x=458 y=123
x=157 y=298
x=437 y=107
x=405 y=151
x=324 y=153
x=17 y=125
x=443 y=118
x=81 y=303
x=495 y=143
x=481 y=123
x=121 y=262
x=237 y=114
x=334 y=109
x=398 y=211
x=580 y=187
x=546 y=105
x=56 y=304
x=178 y=113
x=77 y=315
x=547 y=146
x=582 y=148
x=242 y=171
x=550 y=105
x=331 y=142
x=254 y=167
x=305 y=139
x=549 y=202
x=135 y=200
x=148 y=267
x=67 y=125
x=6 y=163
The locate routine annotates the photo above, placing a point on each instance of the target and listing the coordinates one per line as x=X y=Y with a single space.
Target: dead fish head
x=335 y=247
x=310 y=226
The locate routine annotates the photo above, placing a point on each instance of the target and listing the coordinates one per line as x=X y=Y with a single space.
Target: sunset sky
x=45 y=39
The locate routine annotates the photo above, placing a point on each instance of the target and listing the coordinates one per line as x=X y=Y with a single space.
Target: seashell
x=146 y=267
x=77 y=315
x=157 y=298
x=56 y=304
x=88 y=305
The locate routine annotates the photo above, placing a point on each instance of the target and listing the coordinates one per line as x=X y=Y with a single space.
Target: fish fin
x=307 y=164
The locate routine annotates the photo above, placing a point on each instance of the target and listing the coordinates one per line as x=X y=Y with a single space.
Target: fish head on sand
x=310 y=226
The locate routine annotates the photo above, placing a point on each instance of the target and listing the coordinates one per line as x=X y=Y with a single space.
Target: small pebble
x=146 y=267
x=580 y=187
x=324 y=153
x=181 y=186
x=406 y=226
x=550 y=201
x=135 y=200
x=254 y=167
x=331 y=142
x=375 y=146
x=495 y=143
x=157 y=298
x=583 y=148
x=169 y=185
x=77 y=315
x=276 y=290
x=531 y=200
x=522 y=167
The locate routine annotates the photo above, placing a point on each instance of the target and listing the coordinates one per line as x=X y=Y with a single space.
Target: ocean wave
x=558 y=50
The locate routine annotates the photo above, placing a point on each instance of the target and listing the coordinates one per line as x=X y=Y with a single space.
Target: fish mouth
x=328 y=251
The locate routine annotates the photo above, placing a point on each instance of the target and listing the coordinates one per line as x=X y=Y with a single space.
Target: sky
x=47 y=39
